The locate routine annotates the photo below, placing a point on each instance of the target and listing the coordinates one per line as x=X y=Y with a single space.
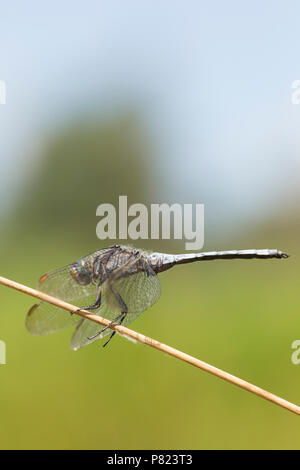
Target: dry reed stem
x=155 y=344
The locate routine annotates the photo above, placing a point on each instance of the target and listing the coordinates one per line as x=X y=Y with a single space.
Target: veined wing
x=44 y=318
x=139 y=291
x=86 y=329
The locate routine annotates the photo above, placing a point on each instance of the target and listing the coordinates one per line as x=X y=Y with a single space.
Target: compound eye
x=82 y=272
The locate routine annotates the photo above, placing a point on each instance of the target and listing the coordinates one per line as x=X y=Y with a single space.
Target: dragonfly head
x=82 y=272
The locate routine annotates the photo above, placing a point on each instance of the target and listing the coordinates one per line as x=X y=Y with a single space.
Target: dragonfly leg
x=119 y=317
x=106 y=327
x=113 y=333
x=123 y=314
x=94 y=306
x=121 y=302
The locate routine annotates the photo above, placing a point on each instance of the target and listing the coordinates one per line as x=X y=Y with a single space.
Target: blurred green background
x=241 y=316
x=182 y=106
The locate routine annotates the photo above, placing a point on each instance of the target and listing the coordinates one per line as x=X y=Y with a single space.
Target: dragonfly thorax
x=96 y=269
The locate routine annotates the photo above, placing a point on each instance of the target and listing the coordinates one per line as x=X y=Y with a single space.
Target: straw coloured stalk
x=135 y=336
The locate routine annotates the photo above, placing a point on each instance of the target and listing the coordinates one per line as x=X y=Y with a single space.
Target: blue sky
x=212 y=79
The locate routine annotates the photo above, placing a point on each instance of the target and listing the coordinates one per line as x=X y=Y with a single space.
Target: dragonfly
x=117 y=283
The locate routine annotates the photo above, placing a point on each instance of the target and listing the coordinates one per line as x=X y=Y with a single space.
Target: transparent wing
x=139 y=291
x=44 y=318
